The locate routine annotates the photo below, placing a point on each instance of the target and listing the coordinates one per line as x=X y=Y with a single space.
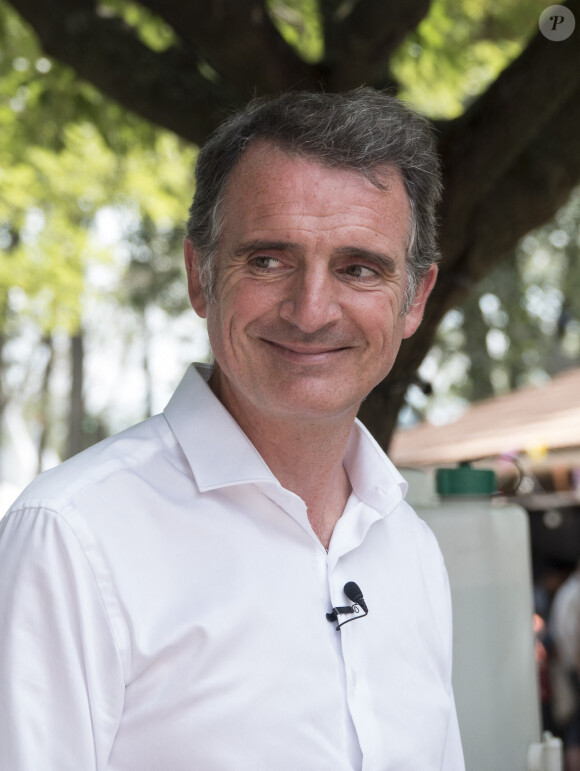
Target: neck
x=305 y=455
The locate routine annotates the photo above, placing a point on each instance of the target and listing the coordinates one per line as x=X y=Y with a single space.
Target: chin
x=315 y=407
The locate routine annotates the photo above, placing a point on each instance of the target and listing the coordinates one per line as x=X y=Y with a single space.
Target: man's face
x=310 y=285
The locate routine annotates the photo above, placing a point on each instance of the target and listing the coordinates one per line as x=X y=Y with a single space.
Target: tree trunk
x=45 y=400
x=3 y=398
x=147 y=365
x=510 y=161
x=76 y=404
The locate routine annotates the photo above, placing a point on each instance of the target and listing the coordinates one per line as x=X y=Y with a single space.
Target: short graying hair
x=362 y=130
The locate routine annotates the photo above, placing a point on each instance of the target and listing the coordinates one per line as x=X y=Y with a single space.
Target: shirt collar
x=221 y=455
x=216 y=448
x=373 y=477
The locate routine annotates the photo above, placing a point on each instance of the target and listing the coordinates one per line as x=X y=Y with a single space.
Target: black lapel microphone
x=355 y=595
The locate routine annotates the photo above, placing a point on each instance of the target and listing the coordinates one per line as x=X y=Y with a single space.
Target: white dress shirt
x=163 y=607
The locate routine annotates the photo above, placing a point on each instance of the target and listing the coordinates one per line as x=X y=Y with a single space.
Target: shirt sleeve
x=61 y=679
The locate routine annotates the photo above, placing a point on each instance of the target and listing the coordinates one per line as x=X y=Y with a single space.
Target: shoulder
x=427 y=547
x=105 y=489
x=69 y=520
x=82 y=474
x=433 y=572
x=424 y=537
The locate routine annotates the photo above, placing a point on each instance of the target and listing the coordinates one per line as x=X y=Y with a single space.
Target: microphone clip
x=353 y=593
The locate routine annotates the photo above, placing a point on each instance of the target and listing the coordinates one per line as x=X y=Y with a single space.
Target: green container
x=465 y=480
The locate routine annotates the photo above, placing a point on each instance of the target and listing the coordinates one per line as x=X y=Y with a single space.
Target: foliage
x=93 y=196
x=459 y=49
x=520 y=325
x=91 y=209
x=45 y=97
x=68 y=155
x=299 y=22
x=52 y=203
x=152 y=30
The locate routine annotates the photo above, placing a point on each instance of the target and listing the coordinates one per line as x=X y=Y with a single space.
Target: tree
x=519 y=326
x=72 y=170
x=510 y=153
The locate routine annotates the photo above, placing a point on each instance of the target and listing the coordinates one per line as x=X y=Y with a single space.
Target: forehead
x=271 y=181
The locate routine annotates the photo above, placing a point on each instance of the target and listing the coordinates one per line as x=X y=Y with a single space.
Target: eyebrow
x=260 y=244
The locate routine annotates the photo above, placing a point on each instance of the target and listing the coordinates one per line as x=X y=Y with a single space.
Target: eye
x=360 y=271
x=264 y=262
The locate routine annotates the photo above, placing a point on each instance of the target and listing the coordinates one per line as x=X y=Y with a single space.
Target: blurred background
x=102 y=108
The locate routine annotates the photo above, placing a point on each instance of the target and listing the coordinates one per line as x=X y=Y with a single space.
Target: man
x=165 y=594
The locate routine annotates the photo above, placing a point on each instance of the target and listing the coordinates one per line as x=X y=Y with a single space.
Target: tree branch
x=166 y=88
x=360 y=44
x=480 y=146
x=538 y=183
x=528 y=195
x=239 y=40
x=330 y=11
x=509 y=162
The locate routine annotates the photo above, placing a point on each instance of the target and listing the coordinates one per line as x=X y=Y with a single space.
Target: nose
x=311 y=303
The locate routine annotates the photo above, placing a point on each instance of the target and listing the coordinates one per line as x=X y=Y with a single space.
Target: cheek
x=215 y=330
x=378 y=319
x=226 y=320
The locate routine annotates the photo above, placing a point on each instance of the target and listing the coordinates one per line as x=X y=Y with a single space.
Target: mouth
x=312 y=353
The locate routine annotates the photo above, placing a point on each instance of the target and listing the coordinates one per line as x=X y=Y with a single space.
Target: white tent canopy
x=533 y=419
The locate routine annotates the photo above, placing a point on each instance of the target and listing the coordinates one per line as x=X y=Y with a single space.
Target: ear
x=415 y=315
x=196 y=295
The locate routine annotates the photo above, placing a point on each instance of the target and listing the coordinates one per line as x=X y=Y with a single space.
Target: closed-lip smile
x=305 y=350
